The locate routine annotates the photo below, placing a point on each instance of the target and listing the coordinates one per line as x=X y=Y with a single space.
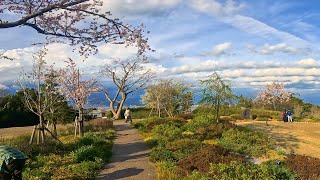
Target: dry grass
x=16 y=131
x=299 y=138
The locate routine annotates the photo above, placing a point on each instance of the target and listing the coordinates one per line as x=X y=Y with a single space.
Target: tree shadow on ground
x=132 y=150
x=123 y=173
x=289 y=142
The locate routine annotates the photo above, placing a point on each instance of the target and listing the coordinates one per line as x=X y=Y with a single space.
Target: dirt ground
x=297 y=137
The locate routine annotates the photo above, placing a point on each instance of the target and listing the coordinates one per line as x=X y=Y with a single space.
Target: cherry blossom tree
x=79 y=22
x=274 y=94
x=128 y=76
x=75 y=89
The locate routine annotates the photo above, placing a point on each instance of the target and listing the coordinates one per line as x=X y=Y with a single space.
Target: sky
x=251 y=43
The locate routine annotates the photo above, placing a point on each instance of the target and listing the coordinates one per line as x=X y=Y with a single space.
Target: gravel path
x=130 y=156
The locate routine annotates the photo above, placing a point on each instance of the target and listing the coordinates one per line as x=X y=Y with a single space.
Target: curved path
x=129 y=156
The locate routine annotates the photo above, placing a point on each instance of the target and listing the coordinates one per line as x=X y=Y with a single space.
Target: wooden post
x=32 y=135
x=39 y=134
x=75 y=126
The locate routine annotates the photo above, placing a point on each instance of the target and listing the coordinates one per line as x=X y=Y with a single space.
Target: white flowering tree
x=76 y=90
x=274 y=94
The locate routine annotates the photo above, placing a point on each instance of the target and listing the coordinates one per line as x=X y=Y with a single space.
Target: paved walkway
x=129 y=156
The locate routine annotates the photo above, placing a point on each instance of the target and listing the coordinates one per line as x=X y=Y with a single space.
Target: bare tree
x=36 y=99
x=76 y=89
x=168 y=95
x=80 y=22
x=55 y=98
x=128 y=76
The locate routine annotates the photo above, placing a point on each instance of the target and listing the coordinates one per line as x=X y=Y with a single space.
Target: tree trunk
x=54 y=128
x=41 y=129
x=81 y=127
x=117 y=112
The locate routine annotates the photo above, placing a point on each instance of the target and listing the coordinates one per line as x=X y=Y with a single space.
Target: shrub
x=161 y=154
x=304 y=166
x=186 y=116
x=262 y=119
x=85 y=153
x=101 y=124
x=166 y=170
x=248 y=170
x=236 y=116
x=207 y=129
x=202 y=159
x=152 y=122
x=245 y=141
x=167 y=132
x=198 y=122
x=183 y=147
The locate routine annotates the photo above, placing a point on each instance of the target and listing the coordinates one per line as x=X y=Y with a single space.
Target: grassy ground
x=15 y=131
x=300 y=138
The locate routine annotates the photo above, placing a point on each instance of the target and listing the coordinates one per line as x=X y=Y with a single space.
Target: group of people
x=287 y=115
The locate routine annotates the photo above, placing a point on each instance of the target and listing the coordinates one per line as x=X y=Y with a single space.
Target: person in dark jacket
x=284 y=116
x=12 y=162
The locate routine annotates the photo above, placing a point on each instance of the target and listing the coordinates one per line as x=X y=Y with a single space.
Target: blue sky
x=252 y=43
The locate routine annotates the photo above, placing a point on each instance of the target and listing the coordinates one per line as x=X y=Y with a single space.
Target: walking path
x=129 y=156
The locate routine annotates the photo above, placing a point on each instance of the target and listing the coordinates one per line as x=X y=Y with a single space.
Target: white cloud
x=309 y=62
x=135 y=8
x=253 y=26
x=220 y=49
x=228 y=13
x=281 y=47
x=57 y=55
x=215 y=7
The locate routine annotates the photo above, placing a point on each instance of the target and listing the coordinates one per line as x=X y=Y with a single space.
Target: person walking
x=12 y=162
x=127 y=115
x=289 y=115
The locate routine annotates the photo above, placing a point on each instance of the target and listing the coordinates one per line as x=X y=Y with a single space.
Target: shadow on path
x=123 y=173
x=129 y=156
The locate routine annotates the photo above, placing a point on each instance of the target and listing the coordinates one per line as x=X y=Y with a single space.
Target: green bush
x=266 y=113
x=245 y=141
x=262 y=119
x=248 y=170
x=85 y=153
x=166 y=132
x=236 y=116
x=160 y=154
x=183 y=147
x=198 y=122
